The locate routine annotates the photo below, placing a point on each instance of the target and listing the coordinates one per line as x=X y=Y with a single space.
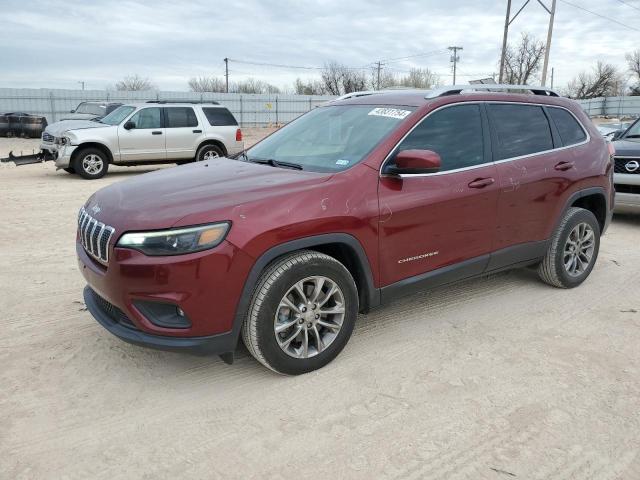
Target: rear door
x=534 y=169
x=183 y=132
x=145 y=142
x=429 y=221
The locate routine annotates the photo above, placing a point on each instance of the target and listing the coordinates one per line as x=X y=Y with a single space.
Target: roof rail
x=457 y=89
x=183 y=101
x=355 y=94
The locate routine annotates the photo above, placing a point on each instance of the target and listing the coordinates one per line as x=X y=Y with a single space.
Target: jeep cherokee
x=369 y=197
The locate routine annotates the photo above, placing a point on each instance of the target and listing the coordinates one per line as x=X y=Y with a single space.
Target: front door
x=448 y=218
x=146 y=140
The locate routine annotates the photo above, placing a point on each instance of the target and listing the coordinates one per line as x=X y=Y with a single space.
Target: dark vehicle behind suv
x=372 y=196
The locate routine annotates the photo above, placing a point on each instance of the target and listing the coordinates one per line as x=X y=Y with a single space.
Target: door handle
x=562 y=166
x=156 y=132
x=481 y=182
x=197 y=131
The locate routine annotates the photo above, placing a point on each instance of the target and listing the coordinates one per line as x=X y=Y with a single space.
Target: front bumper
x=206 y=286
x=63 y=159
x=109 y=319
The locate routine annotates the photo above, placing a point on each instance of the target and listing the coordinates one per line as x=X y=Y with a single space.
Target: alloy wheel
x=92 y=164
x=579 y=249
x=309 y=317
x=210 y=155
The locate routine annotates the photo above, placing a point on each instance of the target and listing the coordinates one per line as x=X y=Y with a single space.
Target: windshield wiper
x=635 y=135
x=275 y=163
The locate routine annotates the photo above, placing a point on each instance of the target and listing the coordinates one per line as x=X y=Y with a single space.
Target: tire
x=208 y=152
x=70 y=170
x=277 y=283
x=84 y=167
x=578 y=238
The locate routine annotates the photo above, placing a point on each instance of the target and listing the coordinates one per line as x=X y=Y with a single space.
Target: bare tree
x=420 y=78
x=251 y=85
x=603 y=81
x=633 y=62
x=338 y=79
x=207 y=84
x=310 y=87
x=523 y=61
x=134 y=83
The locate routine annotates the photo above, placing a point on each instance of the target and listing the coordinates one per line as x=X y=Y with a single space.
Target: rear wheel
x=573 y=250
x=208 y=152
x=91 y=163
x=302 y=313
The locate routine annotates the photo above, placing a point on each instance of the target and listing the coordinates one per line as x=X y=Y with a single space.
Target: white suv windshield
x=331 y=138
x=118 y=115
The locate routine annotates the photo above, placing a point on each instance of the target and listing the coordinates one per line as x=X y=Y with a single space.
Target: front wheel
x=91 y=163
x=573 y=250
x=302 y=313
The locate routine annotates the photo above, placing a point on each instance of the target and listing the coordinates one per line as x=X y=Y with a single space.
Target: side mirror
x=72 y=111
x=129 y=125
x=617 y=135
x=415 y=162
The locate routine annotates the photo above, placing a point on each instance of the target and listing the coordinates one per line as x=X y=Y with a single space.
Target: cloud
x=56 y=44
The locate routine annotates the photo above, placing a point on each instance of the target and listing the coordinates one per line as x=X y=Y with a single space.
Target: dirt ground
x=496 y=378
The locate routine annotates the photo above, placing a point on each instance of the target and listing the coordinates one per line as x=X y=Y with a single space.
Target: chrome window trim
x=510 y=159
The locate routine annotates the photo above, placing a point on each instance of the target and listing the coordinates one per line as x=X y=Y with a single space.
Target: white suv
x=152 y=132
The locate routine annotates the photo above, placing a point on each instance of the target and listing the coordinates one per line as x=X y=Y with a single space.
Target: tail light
x=238 y=135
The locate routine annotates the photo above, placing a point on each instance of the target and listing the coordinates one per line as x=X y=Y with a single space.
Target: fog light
x=162 y=314
x=180 y=312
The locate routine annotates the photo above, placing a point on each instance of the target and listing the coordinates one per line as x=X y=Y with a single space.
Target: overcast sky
x=58 y=43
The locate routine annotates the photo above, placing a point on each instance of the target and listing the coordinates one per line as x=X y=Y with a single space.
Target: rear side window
x=219 y=117
x=178 y=117
x=454 y=133
x=521 y=130
x=568 y=127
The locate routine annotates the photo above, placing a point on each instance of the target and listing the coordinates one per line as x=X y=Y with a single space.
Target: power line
x=600 y=15
x=629 y=5
x=426 y=54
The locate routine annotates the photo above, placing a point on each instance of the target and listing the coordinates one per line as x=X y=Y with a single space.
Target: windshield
x=118 y=115
x=90 y=108
x=634 y=131
x=331 y=138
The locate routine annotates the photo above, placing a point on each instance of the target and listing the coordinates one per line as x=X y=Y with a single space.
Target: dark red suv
x=369 y=197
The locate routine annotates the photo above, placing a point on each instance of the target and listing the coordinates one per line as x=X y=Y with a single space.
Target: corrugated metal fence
x=612 y=106
x=249 y=109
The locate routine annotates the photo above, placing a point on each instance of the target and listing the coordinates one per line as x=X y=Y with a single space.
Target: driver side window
x=147 y=118
x=454 y=133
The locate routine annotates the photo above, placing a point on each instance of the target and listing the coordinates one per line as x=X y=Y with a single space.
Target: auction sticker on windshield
x=390 y=112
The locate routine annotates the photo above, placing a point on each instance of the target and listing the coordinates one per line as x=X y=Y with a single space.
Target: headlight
x=176 y=241
x=62 y=140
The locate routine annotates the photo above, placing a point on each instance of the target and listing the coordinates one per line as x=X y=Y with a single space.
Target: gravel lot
x=496 y=378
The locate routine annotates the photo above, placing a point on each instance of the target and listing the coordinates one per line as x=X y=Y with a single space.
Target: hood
x=58 y=128
x=196 y=193
x=78 y=116
x=627 y=148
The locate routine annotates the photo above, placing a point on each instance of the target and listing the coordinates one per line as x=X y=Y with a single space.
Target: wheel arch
x=212 y=141
x=343 y=247
x=100 y=146
x=595 y=200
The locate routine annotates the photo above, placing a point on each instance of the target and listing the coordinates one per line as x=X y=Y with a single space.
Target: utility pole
x=81 y=82
x=551 y=77
x=552 y=14
x=507 y=21
x=378 y=81
x=454 y=60
x=226 y=74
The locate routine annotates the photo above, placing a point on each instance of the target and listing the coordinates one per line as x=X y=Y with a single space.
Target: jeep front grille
x=627 y=165
x=94 y=236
